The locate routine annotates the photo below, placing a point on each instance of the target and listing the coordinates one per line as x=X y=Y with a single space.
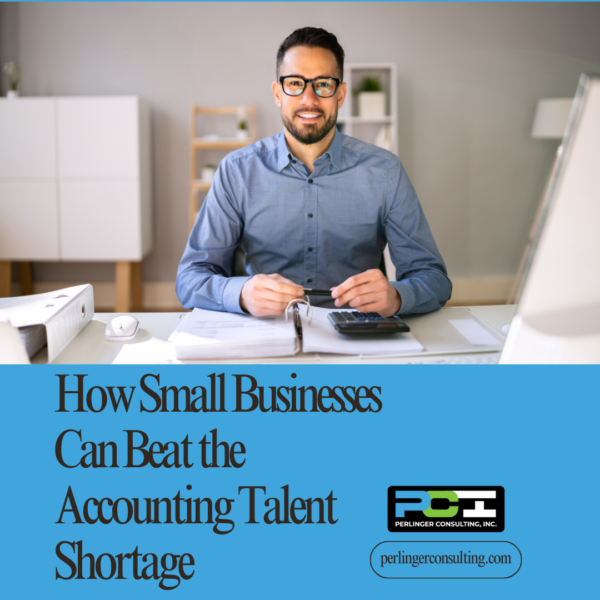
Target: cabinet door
x=100 y=220
x=98 y=137
x=28 y=138
x=28 y=220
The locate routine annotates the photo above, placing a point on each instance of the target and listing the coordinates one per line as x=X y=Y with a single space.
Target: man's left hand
x=368 y=292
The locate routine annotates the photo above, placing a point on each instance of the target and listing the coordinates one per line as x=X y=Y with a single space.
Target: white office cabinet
x=28 y=138
x=98 y=137
x=96 y=218
x=75 y=182
x=28 y=220
x=93 y=154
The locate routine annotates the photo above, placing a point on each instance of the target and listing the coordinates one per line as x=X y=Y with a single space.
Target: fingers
x=267 y=309
x=266 y=295
x=368 y=292
x=359 y=286
x=364 y=298
x=262 y=307
x=281 y=285
x=352 y=282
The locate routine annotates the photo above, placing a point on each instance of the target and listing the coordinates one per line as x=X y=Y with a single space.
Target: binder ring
x=294 y=305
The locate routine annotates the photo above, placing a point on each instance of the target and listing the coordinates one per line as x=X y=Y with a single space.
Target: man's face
x=309 y=118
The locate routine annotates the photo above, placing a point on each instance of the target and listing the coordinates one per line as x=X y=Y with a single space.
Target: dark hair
x=312 y=37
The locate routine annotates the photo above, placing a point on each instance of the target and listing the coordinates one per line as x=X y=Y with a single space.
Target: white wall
x=8 y=39
x=469 y=78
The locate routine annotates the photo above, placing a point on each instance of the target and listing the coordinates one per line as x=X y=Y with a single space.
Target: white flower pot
x=207 y=174
x=371 y=104
x=242 y=134
x=12 y=94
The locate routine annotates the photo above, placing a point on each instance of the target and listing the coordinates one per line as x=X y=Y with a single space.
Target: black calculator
x=358 y=322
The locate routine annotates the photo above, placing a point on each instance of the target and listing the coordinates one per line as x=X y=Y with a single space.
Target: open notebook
x=208 y=334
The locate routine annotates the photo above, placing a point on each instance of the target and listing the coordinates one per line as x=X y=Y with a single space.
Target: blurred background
x=469 y=77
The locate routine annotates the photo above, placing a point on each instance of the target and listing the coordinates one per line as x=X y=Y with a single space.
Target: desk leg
x=123 y=287
x=128 y=286
x=5 y=278
x=137 y=298
x=25 y=278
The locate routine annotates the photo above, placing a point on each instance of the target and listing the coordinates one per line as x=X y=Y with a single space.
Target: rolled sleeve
x=422 y=280
x=232 y=292
x=204 y=277
x=406 y=295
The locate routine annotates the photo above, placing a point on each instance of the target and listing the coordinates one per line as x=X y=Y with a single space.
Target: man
x=311 y=208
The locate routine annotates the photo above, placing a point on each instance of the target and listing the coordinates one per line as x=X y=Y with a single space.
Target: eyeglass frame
x=312 y=82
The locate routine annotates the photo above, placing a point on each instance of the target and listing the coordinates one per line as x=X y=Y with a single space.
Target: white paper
x=321 y=336
x=473 y=332
x=210 y=334
x=150 y=352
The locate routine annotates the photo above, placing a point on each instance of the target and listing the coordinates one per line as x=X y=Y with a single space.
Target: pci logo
x=445 y=508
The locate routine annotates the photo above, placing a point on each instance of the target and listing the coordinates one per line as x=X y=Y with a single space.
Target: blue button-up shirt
x=316 y=229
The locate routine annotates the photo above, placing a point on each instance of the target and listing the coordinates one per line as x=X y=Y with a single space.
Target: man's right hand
x=266 y=295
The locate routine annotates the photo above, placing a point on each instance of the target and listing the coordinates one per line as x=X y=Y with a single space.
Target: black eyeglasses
x=294 y=85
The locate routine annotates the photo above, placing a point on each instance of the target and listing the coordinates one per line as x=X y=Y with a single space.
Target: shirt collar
x=334 y=151
x=284 y=156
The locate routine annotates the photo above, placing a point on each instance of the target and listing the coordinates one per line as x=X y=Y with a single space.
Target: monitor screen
x=558 y=314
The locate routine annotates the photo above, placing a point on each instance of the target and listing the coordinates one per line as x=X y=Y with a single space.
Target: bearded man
x=311 y=208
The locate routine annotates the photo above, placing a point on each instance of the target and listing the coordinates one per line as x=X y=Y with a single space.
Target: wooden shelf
x=216 y=110
x=358 y=120
x=200 y=185
x=222 y=144
x=198 y=144
x=365 y=128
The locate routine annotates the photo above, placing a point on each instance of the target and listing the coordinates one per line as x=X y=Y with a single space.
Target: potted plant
x=12 y=71
x=242 y=131
x=371 y=98
x=208 y=172
x=242 y=128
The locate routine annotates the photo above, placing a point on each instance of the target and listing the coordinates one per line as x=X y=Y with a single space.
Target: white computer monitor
x=558 y=313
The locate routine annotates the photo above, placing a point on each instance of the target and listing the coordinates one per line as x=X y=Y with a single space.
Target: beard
x=312 y=133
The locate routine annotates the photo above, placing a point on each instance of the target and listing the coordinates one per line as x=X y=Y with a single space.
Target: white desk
x=90 y=347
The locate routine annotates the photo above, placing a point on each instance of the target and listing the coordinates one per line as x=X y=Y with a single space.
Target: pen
x=311 y=292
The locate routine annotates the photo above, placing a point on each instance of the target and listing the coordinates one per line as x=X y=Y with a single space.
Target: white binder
x=64 y=313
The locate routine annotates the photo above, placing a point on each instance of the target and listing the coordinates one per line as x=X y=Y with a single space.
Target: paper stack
x=320 y=336
x=52 y=319
x=208 y=334
x=33 y=338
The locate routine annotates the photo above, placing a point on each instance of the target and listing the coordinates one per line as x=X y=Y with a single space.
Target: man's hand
x=266 y=295
x=368 y=292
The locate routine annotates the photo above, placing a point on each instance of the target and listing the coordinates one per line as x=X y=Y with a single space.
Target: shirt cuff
x=406 y=295
x=231 y=294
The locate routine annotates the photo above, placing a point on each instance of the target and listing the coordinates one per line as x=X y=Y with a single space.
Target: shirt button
x=310 y=215
x=310 y=249
x=309 y=281
x=310 y=181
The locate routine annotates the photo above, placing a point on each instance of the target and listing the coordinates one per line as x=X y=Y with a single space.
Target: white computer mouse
x=121 y=328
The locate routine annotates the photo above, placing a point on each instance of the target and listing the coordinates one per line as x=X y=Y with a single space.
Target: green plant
x=210 y=167
x=242 y=126
x=371 y=84
x=12 y=70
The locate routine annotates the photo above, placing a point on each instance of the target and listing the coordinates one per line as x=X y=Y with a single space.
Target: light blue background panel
x=531 y=430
